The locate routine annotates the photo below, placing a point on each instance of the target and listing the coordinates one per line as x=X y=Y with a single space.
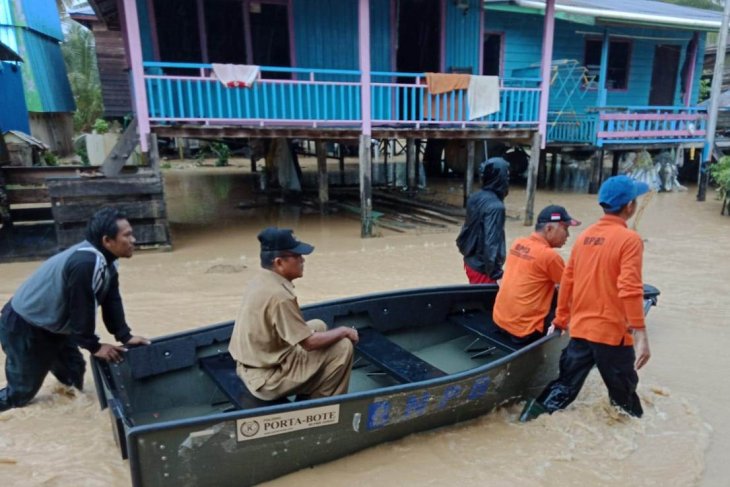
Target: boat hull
x=249 y=446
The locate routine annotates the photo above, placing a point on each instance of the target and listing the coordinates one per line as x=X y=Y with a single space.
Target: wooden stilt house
x=570 y=73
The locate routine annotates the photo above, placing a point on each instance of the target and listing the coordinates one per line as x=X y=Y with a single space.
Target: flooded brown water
x=63 y=439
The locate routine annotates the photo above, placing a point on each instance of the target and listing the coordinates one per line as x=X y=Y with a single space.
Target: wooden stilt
x=385 y=162
x=542 y=169
x=411 y=163
x=366 y=189
x=552 y=179
x=616 y=159
x=341 y=153
x=532 y=180
x=469 y=174
x=321 y=149
x=154 y=156
x=596 y=172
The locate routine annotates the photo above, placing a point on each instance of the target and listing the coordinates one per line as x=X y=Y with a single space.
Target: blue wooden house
x=32 y=28
x=571 y=73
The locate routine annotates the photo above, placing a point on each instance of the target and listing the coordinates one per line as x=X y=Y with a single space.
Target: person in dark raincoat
x=481 y=240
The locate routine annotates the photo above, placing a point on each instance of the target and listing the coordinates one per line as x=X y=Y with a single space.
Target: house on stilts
x=571 y=74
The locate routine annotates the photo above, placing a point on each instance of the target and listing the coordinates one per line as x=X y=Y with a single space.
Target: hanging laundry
x=445 y=99
x=236 y=75
x=483 y=96
x=438 y=83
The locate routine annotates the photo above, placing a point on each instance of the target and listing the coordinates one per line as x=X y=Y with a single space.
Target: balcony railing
x=572 y=129
x=325 y=97
x=651 y=124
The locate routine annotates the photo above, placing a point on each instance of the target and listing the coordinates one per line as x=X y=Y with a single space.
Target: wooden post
x=716 y=88
x=341 y=154
x=417 y=162
x=366 y=189
x=385 y=162
x=411 y=163
x=154 y=156
x=469 y=174
x=5 y=218
x=542 y=169
x=321 y=149
x=596 y=172
x=616 y=160
x=179 y=142
x=552 y=180
x=532 y=180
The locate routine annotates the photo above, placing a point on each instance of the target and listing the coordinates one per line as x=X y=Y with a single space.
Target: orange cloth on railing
x=443 y=92
x=444 y=82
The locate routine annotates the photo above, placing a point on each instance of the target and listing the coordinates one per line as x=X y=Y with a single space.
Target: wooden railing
x=324 y=97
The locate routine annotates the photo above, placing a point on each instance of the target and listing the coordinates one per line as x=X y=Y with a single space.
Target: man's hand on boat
x=115 y=353
x=641 y=347
x=323 y=339
x=553 y=329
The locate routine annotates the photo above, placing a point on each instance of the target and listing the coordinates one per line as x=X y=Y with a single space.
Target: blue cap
x=619 y=191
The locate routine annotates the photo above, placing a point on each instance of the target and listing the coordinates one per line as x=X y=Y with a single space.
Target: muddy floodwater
x=62 y=438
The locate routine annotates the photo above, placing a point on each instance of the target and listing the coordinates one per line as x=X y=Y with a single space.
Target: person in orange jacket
x=532 y=270
x=600 y=302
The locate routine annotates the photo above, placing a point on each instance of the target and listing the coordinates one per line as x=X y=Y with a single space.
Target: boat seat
x=222 y=369
x=482 y=325
x=395 y=360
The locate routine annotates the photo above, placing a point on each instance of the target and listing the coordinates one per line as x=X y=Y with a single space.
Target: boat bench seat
x=222 y=369
x=482 y=325
x=395 y=360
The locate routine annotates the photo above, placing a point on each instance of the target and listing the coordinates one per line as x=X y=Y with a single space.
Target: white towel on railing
x=236 y=75
x=483 y=96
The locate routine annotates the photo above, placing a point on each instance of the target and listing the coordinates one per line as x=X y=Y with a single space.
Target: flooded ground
x=63 y=439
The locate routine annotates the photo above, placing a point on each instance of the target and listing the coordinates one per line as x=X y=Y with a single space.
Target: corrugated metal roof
x=37 y=15
x=45 y=81
x=642 y=11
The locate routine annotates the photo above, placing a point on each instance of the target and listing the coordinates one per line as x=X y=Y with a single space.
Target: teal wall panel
x=145 y=31
x=463 y=36
x=326 y=34
x=523 y=48
x=14 y=113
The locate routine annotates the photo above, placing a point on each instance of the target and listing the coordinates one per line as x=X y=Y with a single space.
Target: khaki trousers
x=318 y=373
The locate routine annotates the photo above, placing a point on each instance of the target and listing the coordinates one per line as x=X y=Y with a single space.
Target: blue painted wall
x=145 y=31
x=462 y=36
x=326 y=35
x=523 y=47
x=14 y=113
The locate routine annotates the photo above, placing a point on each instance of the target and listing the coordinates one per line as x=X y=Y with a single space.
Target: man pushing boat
x=54 y=312
x=277 y=352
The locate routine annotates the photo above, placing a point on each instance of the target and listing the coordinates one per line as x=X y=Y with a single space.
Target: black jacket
x=481 y=240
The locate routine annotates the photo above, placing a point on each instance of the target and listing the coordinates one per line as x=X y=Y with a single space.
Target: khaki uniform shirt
x=269 y=324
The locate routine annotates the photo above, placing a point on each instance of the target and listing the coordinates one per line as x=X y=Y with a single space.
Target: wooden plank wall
x=139 y=197
x=113 y=71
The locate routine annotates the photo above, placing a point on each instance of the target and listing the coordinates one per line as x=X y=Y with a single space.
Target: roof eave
x=606 y=15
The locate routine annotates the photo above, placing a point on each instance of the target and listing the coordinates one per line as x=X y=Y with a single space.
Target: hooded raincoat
x=481 y=240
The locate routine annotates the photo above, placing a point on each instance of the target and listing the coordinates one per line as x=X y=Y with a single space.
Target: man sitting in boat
x=532 y=270
x=277 y=352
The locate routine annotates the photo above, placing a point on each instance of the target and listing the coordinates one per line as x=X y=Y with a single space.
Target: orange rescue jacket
x=532 y=270
x=601 y=293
